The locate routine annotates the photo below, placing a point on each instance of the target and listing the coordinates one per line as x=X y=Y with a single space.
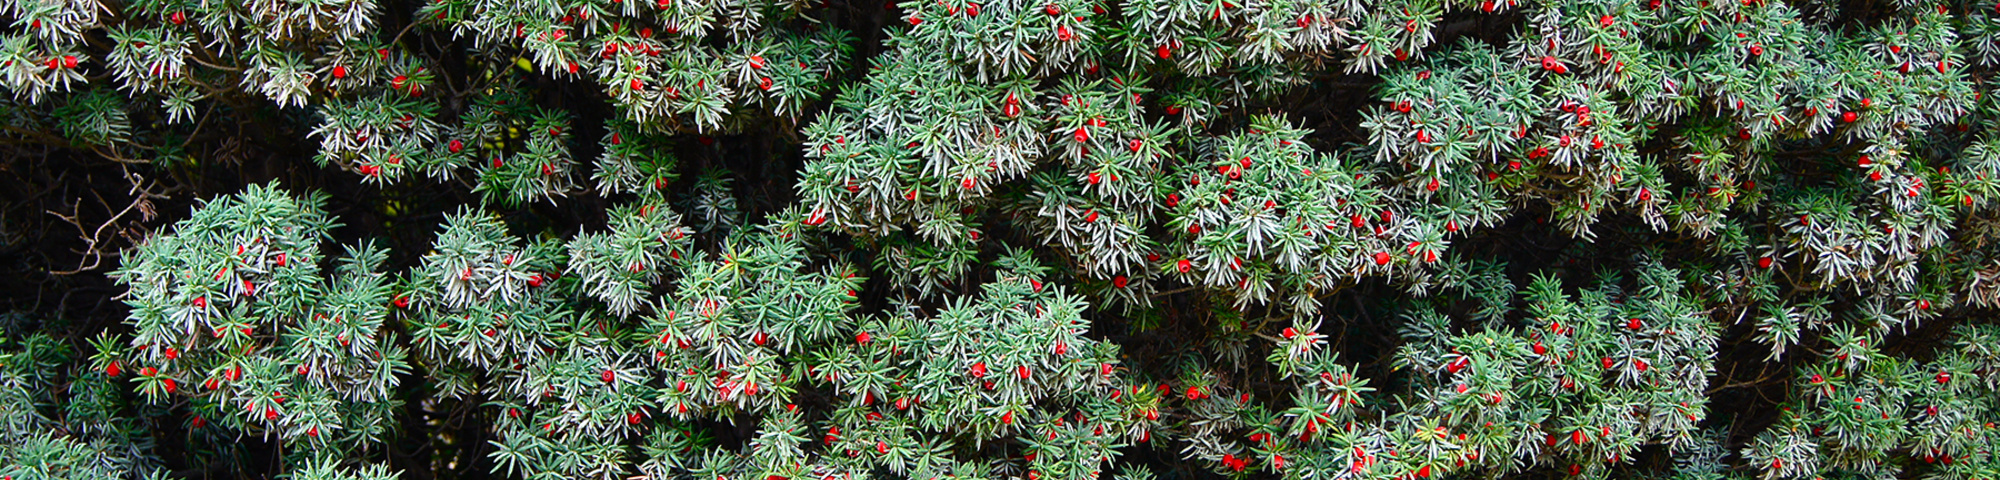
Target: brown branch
x=112 y=155
x=93 y=252
x=1746 y=383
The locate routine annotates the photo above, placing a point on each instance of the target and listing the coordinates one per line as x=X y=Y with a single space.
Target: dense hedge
x=1061 y=239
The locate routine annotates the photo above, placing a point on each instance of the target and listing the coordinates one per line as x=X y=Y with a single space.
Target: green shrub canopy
x=1002 y=239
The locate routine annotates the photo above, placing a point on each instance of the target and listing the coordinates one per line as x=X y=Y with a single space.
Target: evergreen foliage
x=1010 y=239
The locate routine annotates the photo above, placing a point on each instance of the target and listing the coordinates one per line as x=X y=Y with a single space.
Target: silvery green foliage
x=633 y=162
x=746 y=310
x=620 y=266
x=481 y=296
x=65 y=434
x=231 y=310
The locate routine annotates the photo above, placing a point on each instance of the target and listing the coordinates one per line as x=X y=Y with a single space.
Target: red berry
x=1381 y=258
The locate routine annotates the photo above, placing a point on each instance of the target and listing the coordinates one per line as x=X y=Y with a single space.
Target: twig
x=1745 y=383
x=198 y=123
x=1177 y=290
x=93 y=254
x=399 y=34
x=214 y=66
x=112 y=155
